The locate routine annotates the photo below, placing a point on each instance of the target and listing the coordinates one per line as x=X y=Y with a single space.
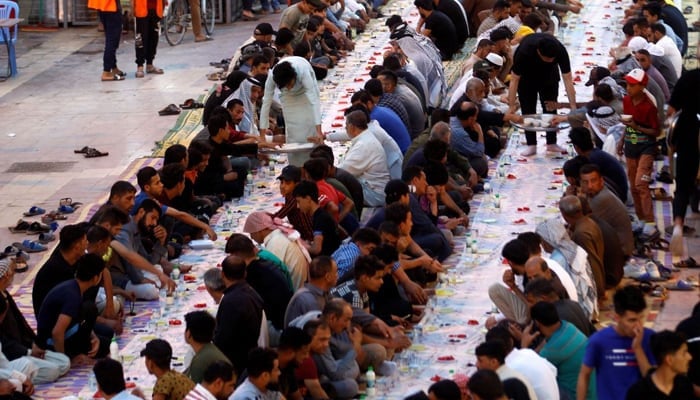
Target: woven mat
x=187 y=126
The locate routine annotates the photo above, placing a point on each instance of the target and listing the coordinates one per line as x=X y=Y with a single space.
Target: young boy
x=170 y=384
x=325 y=234
x=368 y=278
x=289 y=178
x=639 y=145
x=331 y=199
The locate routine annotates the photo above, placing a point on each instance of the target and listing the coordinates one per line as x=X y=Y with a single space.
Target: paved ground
x=58 y=104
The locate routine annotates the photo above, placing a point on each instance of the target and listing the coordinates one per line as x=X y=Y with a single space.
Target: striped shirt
x=300 y=221
x=199 y=393
x=348 y=292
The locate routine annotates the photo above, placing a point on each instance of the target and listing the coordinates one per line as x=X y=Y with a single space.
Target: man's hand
x=212 y=235
x=27 y=387
x=399 y=340
x=160 y=234
x=38 y=352
x=431 y=194
x=381 y=327
x=94 y=345
x=415 y=292
x=355 y=335
x=166 y=283
x=509 y=278
x=638 y=337
x=402 y=244
x=231 y=176
x=434 y=266
x=138 y=393
x=528 y=336
x=315 y=139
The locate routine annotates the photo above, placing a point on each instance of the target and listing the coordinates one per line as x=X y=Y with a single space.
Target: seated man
x=362 y=244
x=293 y=349
x=338 y=205
x=140 y=274
x=468 y=137
x=323 y=275
x=199 y=332
x=491 y=356
x=65 y=322
x=508 y=296
x=218 y=382
x=214 y=284
x=326 y=237
x=263 y=370
x=109 y=375
x=307 y=373
x=541 y=289
x=340 y=175
x=289 y=178
x=17 y=337
x=170 y=384
x=238 y=242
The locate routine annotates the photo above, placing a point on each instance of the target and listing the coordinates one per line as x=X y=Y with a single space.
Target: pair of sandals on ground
x=45 y=229
x=118 y=75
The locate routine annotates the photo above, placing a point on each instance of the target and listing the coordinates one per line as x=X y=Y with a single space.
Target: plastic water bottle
x=92 y=383
x=497 y=201
x=371 y=380
x=249 y=184
x=271 y=167
x=175 y=274
x=114 y=349
x=487 y=188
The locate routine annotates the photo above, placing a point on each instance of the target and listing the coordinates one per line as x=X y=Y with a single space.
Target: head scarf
x=553 y=232
x=249 y=122
x=258 y=220
x=4 y=266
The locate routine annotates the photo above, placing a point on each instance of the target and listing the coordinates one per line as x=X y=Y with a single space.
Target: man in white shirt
x=671 y=52
x=490 y=356
x=365 y=159
x=263 y=369
x=218 y=383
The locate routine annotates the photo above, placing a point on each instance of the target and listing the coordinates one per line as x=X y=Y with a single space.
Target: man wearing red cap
x=639 y=144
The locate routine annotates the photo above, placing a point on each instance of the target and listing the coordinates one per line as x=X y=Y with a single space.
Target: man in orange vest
x=110 y=13
x=148 y=13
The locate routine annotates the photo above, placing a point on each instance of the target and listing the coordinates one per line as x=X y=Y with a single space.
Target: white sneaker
x=555 y=148
x=529 y=151
x=652 y=269
x=387 y=368
x=676 y=245
x=633 y=270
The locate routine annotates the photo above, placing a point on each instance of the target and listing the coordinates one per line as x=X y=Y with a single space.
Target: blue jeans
x=112 y=22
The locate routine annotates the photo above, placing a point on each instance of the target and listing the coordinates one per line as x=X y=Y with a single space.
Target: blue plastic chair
x=6 y=8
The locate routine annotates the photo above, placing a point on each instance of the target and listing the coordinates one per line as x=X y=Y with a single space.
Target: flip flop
x=67 y=201
x=81 y=151
x=660 y=194
x=681 y=285
x=38 y=227
x=21 y=259
x=66 y=209
x=47 y=237
x=21 y=227
x=34 y=210
x=53 y=216
x=93 y=153
x=188 y=104
x=12 y=251
x=30 y=246
x=171 y=109
x=113 y=78
x=687 y=263
x=155 y=70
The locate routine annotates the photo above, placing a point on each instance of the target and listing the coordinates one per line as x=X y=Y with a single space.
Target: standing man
x=110 y=13
x=148 y=14
x=439 y=28
x=537 y=64
x=299 y=95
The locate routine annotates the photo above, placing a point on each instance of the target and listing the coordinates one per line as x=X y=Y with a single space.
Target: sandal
x=21 y=227
x=687 y=263
x=681 y=285
x=93 y=153
x=112 y=78
x=53 y=216
x=81 y=151
x=67 y=201
x=154 y=70
x=21 y=259
x=660 y=194
x=11 y=251
x=30 y=246
x=117 y=71
x=140 y=74
x=47 y=237
x=33 y=211
x=38 y=227
x=66 y=209
x=171 y=109
x=190 y=104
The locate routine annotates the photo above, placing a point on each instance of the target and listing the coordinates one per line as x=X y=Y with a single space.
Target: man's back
x=612 y=168
x=53 y=272
x=565 y=350
x=65 y=299
x=614 y=257
x=270 y=283
x=606 y=206
x=291 y=255
x=539 y=372
x=308 y=298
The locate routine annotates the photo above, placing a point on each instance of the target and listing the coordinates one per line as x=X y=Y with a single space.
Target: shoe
x=653 y=270
x=676 y=244
x=529 y=151
x=152 y=69
x=555 y=148
x=387 y=368
x=633 y=270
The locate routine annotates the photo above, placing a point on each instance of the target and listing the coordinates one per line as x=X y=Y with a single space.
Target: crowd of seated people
x=315 y=294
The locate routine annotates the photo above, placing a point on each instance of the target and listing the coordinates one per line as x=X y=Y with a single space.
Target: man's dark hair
x=172 y=174
x=358 y=107
x=88 y=266
x=294 y=339
x=121 y=188
x=201 y=146
x=589 y=168
x=500 y=334
x=658 y=27
x=367 y=265
x=502 y=33
x=581 y=137
x=464 y=115
x=233 y=268
x=144 y=176
x=259 y=59
x=396 y=213
x=216 y=123
x=96 y=234
x=533 y=20
x=375 y=70
x=629 y=298
x=653 y=9
x=323 y=151
x=390 y=75
x=492 y=349
x=174 y=154
x=486 y=384
x=316 y=169
x=424 y=4
x=394 y=190
x=501 y=5
x=306 y=189
x=261 y=360
x=628 y=28
x=389 y=228
x=414 y=171
x=363 y=96
x=374 y=87
x=439 y=115
x=445 y=390
x=357 y=119
x=392 y=62
x=233 y=103
x=386 y=253
x=283 y=74
x=320 y=266
x=540 y=287
x=435 y=150
x=149 y=205
x=532 y=240
x=314 y=325
x=544 y=313
x=312 y=25
x=302 y=49
x=484 y=43
x=548 y=46
x=436 y=174
x=219 y=370
x=641 y=22
x=284 y=37
x=665 y=343
x=70 y=235
x=201 y=325
x=366 y=236
x=109 y=375
x=604 y=91
x=516 y=251
x=110 y=214
x=240 y=245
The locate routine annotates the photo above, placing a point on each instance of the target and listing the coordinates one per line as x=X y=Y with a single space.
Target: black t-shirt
x=324 y=225
x=691 y=329
x=443 y=33
x=454 y=11
x=272 y=286
x=645 y=389
x=515 y=389
x=674 y=18
x=54 y=271
x=287 y=381
x=66 y=299
x=531 y=68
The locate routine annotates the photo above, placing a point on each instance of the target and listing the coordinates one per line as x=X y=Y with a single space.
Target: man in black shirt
x=440 y=28
x=326 y=238
x=690 y=327
x=536 y=66
x=454 y=10
x=292 y=351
